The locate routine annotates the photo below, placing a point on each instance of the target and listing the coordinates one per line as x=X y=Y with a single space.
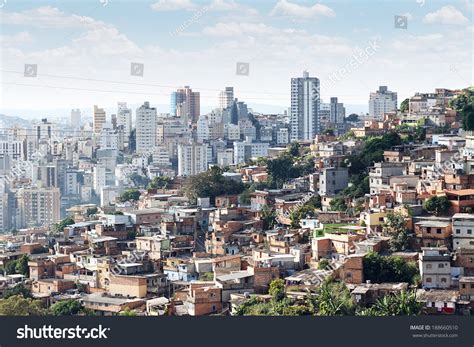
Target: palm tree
x=400 y=304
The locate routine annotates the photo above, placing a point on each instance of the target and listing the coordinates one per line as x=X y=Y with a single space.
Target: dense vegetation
x=130 y=195
x=395 y=227
x=210 y=184
x=332 y=298
x=381 y=269
x=438 y=205
x=464 y=105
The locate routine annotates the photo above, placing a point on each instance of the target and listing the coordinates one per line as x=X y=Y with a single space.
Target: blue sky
x=198 y=43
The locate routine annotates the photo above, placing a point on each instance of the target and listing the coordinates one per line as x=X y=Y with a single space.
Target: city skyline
x=87 y=48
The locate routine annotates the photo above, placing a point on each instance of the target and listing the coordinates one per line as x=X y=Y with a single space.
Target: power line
x=140 y=84
x=149 y=85
x=119 y=92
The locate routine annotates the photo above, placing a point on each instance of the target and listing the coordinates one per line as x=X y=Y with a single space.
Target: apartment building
x=435 y=268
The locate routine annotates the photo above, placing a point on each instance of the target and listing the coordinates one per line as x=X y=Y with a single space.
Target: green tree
x=10 y=267
x=66 y=308
x=139 y=180
x=332 y=299
x=17 y=305
x=395 y=227
x=464 y=105
x=210 y=184
x=329 y=132
x=399 y=304
x=338 y=204
x=130 y=195
x=323 y=264
x=277 y=289
x=22 y=266
x=269 y=217
x=128 y=312
x=353 y=117
x=159 y=183
x=300 y=213
x=281 y=169
x=294 y=149
x=19 y=289
x=381 y=269
x=438 y=205
x=405 y=105
x=59 y=228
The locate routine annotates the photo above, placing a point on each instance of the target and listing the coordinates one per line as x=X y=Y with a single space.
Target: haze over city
x=87 y=46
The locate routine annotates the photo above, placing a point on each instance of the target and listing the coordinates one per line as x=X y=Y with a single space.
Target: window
x=469 y=231
x=440 y=266
x=438 y=231
x=458 y=231
x=428 y=279
x=429 y=266
x=443 y=280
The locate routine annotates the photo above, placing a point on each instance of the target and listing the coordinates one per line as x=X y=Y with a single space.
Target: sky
x=84 y=49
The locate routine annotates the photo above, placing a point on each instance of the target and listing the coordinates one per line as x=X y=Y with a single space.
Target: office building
x=305 y=99
x=145 y=128
x=381 y=102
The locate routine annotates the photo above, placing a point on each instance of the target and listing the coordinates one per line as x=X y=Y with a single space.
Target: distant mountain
x=11 y=121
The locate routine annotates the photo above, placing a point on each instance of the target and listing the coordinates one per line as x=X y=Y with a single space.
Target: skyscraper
x=305 y=98
x=186 y=104
x=76 y=118
x=99 y=119
x=226 y=98
x=338 y=114
x=124 y=117
x=381 y=102
x=146 y=128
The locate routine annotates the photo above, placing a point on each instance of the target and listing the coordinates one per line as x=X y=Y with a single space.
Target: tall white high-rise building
x=124 y=118
x=45 y=130
x=108 y=137
x=14 y=149
x=76 y=118
x=381 y=102
x=305 y=99
x=146 y=128
x=226 y=97
x=192 y=159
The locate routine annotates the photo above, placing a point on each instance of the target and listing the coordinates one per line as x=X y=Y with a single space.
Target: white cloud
x=231 y=6
x=286 y=8
x=173 y=5
x=16 y=39
x=446 y=15
x=48 y=17
x=234 y=29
